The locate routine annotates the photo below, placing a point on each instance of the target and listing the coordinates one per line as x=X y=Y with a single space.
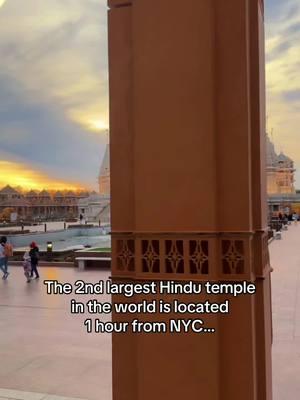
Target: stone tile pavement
x=45 y=349
x=285 y=259
x=46 y=354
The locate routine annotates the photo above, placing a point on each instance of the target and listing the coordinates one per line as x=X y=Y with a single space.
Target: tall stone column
x=187 y=142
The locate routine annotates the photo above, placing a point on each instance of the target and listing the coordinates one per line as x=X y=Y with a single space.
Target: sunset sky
x=54 y=96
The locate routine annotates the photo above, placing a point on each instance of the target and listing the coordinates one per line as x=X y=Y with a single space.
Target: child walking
x=27 y=265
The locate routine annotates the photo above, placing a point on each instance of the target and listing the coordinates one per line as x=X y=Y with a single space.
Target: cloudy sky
x=54 y=97
x=283 y=76
x=53 y=91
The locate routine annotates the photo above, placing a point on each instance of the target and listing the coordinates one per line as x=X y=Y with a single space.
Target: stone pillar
x=188 y=187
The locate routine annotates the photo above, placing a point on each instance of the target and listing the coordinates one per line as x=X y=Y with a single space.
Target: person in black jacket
x=34 y=257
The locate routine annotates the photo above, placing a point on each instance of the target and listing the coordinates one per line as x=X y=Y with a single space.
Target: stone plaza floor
x=285 y=260
x=46 y=350
x=46 y=354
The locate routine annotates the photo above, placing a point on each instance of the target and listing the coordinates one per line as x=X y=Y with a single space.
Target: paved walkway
x=285 y=259
x=46 y=354
x=44 y=349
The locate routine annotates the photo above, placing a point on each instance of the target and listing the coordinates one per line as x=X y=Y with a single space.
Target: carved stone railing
x=182 y=256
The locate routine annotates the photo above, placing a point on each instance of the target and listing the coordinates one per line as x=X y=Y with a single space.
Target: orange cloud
x=17 y=174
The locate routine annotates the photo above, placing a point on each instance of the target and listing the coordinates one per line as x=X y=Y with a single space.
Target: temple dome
x=284 y=158
x=271 y=154
x=8 y=190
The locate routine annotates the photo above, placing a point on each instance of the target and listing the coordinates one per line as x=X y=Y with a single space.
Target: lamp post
x=49 y=250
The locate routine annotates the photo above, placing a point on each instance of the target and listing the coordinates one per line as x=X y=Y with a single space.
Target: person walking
x=8 y=252
x=34 y=258
x=3 y=260
x=295 y=218
x=27 y=265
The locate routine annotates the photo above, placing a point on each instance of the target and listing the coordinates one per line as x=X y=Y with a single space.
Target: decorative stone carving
x=125 y=255
x=174 y=256
x=150 y=256
x=232 y=256
x=190 y=256
x=199 y=257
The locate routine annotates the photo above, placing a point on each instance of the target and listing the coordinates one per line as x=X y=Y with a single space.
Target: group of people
x=30 y=259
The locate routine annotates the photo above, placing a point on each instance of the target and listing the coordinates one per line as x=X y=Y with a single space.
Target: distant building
x=8 y=193
x=282 y=195
x=104 y=175
x=40 y=205
x=280 y=171
x=96 y=207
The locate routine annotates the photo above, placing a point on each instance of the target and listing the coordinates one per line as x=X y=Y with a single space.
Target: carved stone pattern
x=233 y=260
x=150 y=256
x=174 y=256
x=125 y=255
x=186 y=256
x=199 y=257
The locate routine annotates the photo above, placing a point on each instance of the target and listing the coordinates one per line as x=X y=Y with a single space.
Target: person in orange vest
x=7 y=252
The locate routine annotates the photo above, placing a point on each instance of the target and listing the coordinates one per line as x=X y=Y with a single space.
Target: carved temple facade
x=96 y=207
x=282 y=195
x=40 y=205
x=280 y=172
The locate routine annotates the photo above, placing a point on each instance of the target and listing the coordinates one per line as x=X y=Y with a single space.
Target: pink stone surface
x=46 y=350
x=43 y=348
x=285 y=259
